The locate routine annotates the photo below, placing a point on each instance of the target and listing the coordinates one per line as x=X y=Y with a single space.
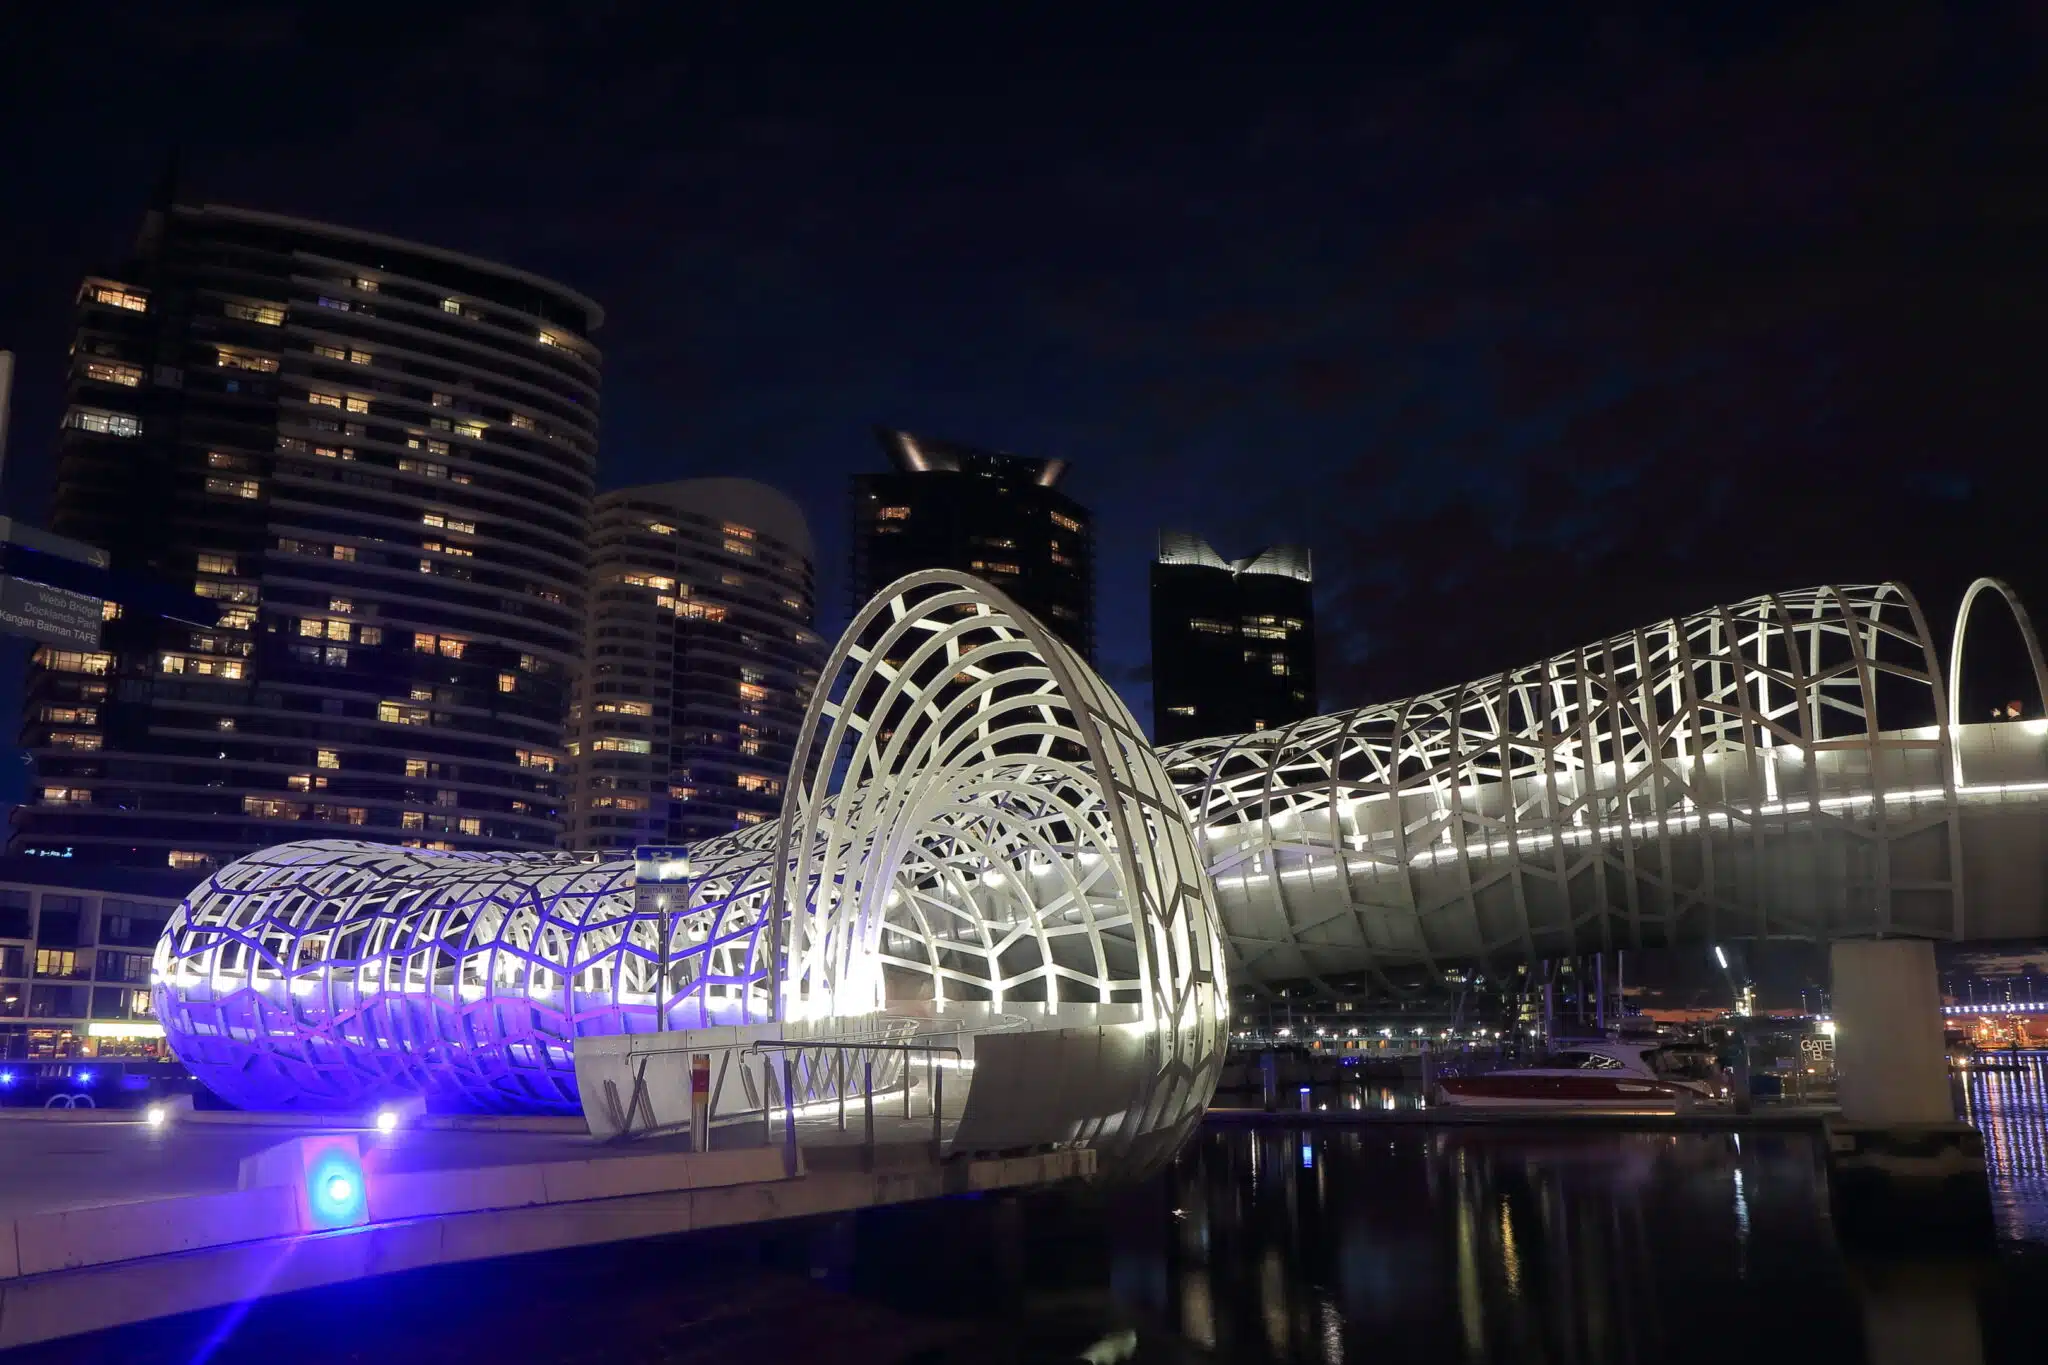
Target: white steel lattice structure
x=1775 y=768
x=974 y=826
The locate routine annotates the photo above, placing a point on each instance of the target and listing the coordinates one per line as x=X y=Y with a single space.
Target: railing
x=795 y=1064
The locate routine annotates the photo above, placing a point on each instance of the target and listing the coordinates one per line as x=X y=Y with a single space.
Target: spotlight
x=335 y=1190
x=156 y=1115
x=387 y=1120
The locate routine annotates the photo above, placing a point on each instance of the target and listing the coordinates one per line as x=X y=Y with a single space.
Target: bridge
x=978 y=844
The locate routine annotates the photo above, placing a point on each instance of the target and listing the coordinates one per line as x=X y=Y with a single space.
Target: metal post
x=906 y=1082
x=938 y=1085
x=867 y=1104
x=767 y=1101
x=661 y=970
x=789 y=1116
x=839 y=1056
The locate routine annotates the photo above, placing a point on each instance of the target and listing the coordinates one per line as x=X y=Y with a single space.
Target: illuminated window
x=311 y=628
x=338 y=630
x=216 y=563
x=753 y=691
x=370 y=635
x=68 y=715
x=755 y=782
x=270 y=808
x=522 y=421
x=75 y=739
x=327 y=758
x=735 y=546
x=103 y=423
x=235 y=358
x=269 y=314
x=508 y=682
x=428 y=469
x=748 y=817
x=329 y=352
x=395 y=713
x=1064 y=522
x=616 y=744
x=682 y=793
x=345 y=552
x=1180 y=710
x=338 y=305
x=342 y=815
x=624 y=708
x=473 y=430
x=470 y=825
x=366 y=285
x=225 y=592
x=661 y=528
x=108 y=372
x=423 y=642
x=412 y=819
x=323 y=400
x=529 y=759
x=451 y=306
x=451 y=647
x=67 y=796
x=116 y=295
x=358 y=402
x=300 y=782
x=71 y=661
x=1277 y=665
x=234 y=488
x=1203 y=626
x=361 y=358
x=893 y=514
x=56 y=962
x=236 y=618
x=185 y=858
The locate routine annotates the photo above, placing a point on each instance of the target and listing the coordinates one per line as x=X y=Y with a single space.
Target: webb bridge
x=980 y=848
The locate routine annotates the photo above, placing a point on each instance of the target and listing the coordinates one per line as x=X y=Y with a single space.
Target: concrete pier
x=107 y=1218
x=1903 y=1169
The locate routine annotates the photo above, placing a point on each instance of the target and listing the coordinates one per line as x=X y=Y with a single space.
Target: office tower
x=999 y=517
x=1233 y=640
x=376 y=458
x=699 y=659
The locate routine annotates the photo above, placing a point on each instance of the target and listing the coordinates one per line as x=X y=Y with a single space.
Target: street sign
x=661 y=862
x=47 y=615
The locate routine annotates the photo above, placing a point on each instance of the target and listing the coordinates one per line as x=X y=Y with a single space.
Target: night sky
x=1533 y=327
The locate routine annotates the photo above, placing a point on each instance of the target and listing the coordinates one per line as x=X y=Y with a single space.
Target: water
x=1367 y=1245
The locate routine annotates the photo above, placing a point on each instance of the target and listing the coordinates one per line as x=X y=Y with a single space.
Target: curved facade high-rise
x=698 y=661
x=377 y=458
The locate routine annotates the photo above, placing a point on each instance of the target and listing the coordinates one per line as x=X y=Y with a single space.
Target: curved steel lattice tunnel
x=973 y=818
x=1774 y=768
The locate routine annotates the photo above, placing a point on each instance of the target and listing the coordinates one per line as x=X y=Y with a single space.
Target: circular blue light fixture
x=334 y=1190
x=6 y=1080
x=85 y=1077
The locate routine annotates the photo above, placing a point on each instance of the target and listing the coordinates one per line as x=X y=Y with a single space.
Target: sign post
x=700 y=1102
x=656 y=869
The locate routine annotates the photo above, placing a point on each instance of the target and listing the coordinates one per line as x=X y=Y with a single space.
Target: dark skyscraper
x=377 y=458
x=700 y=660
x=999 y=517
x=1233 y=641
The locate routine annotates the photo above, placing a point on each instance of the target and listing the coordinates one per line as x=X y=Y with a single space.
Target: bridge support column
x=1902 y=1169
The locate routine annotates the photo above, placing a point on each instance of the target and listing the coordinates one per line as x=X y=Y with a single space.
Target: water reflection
x=2010 y=1107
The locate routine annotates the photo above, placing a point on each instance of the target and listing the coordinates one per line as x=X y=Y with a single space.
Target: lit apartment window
x=508 y=682
x=225 y=724
x=548 y=339
x=1203 y=626
x=366 y=285
x=119 y=296
x=473 y=430
x=615 y=744
x=396 y=713
x=338 y=305
x=107 y=372
x=682 y=793
x=103 y=423
x=235 y=358
x=1180 y=710
x=326 y=352
x=522 y=421
x=415 y=767
x=110 y=611
x=71 y=661
x=338 y=630
x=68 y=715
x=450 y=647
x=426 y=469
x=67 y=796
x=75 y=739
x=470 y=825
x=56 y=962
x=358 y=402
x=624 y=708
x=270 y=808
x=327 y=758
x=370 y=635
x=234 y=488
x=185 y=858
x=1064 y=522
x=893 y=514
x=301 y=782
x=451 y=306
x=324 y=400
x=224 y=592
x=268 y=314
x=753 y=691
x=748 y=817
x=661 y=528
x=529 y=759
x=311 y=628
x=361 y=358
x=738 y=547
x=755 y=782
x=216 y=563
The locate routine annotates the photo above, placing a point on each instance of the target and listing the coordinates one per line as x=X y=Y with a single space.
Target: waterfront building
x=1233 y=640
x=699 y=658
x=1000 y=517
x=376 y=457
x=75 y=945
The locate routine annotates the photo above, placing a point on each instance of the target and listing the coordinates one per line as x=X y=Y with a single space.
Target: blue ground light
x=334 y=1190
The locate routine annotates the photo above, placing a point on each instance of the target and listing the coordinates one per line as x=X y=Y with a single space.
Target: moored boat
x=1597 y=1074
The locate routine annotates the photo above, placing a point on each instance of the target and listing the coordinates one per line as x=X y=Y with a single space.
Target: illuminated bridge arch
x=1773 y=768
x=975 y=835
